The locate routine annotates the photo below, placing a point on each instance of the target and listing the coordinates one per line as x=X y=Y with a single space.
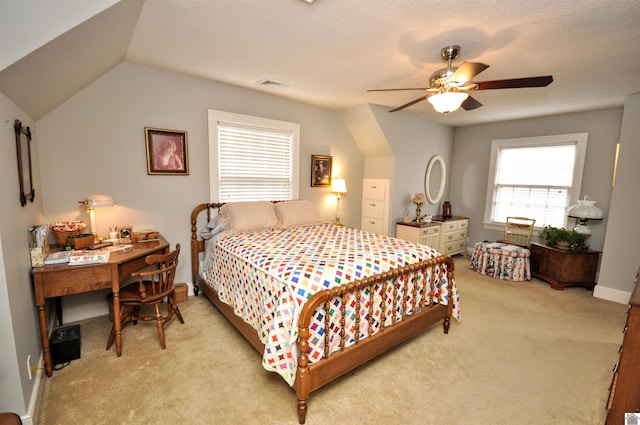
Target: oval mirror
x=434 y=179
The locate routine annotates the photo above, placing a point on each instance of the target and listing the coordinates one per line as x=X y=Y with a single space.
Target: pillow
x=297 y=213
x=245 y=216
x=214 y=227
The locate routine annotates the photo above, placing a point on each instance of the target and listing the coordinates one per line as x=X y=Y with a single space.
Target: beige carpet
x=523 y=353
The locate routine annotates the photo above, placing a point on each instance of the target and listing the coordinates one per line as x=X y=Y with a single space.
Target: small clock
x=124 y=232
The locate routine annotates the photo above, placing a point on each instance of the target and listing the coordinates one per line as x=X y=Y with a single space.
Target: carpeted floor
x=523 y=353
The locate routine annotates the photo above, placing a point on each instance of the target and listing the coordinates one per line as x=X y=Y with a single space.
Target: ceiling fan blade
x=515 y=83
x=470 y=104
x=467 y=71
x=413 y=102
x=412 y=88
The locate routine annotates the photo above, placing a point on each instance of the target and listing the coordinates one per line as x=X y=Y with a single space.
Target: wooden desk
x=58 y=280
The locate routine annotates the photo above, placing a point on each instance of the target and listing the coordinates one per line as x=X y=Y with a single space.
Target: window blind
x=534 y=181
x=254 y=163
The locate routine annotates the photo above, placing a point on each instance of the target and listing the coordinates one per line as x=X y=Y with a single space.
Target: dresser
x=422 y=233
x=375 y=206
x=453 y=234
x=563 y=267
x=624 y=396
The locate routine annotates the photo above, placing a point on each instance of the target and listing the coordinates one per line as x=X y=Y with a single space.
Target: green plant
x=559 y=236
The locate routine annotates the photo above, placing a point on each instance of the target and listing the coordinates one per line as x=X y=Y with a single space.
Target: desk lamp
x=93 y=202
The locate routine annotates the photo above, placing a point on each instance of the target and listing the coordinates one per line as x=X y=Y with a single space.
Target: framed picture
x=321 y=170
x=166 y=151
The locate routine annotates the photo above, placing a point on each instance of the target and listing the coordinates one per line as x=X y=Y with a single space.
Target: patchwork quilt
x=268 y=275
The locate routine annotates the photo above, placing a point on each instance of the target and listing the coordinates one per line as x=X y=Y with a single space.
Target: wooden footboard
x=417 y=315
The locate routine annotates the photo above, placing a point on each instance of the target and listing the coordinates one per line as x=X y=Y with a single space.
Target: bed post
x=302 y=375
x=450 y=276
x=194 y=248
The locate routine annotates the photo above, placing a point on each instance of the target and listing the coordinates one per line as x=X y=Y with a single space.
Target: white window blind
x=534 y=182
x=535 y=177
x=252 y=158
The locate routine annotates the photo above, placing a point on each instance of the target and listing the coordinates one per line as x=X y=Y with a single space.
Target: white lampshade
x=584 y=210
x=338 y=185
x=99 y=201
x=448 y=101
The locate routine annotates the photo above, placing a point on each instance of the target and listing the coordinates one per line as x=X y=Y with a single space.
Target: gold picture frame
x=321 y=170
x=167 y=151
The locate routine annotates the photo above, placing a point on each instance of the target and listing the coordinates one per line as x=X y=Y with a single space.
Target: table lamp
x=339 y=187
x=584 y=211
x=92 y=202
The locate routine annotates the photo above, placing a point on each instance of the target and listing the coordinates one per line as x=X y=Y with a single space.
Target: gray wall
x=621 y=256
x=471 y=155
x=95 y=143
x=18 y=319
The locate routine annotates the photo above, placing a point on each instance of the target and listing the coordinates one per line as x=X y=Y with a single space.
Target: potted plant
x=560 y=237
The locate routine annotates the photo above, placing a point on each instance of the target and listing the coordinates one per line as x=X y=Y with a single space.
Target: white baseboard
x=611 y=294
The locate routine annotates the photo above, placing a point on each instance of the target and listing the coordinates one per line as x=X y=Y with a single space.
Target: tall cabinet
x=375 y=206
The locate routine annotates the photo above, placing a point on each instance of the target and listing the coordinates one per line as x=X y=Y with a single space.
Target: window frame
x=579 y=139
x=216 y=116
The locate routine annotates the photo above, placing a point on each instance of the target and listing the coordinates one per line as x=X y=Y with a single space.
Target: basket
x=81 y=241
x=62 y=235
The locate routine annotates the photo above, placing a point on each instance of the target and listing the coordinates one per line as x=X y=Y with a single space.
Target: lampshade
x=584 y=210
x=99 y=201
x=338 y=185
x=447 y=101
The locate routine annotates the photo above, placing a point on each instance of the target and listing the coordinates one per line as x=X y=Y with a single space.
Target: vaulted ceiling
x=329 y=53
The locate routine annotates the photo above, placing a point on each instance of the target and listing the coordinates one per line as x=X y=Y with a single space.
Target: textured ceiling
x=331 y=52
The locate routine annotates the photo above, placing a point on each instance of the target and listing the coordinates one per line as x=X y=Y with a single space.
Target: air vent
x=266 y=82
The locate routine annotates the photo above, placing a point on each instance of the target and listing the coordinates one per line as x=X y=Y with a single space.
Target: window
x=534 y=177
x=251 y=158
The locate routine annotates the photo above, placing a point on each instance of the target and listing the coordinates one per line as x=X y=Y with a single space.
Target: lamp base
x=582 y=228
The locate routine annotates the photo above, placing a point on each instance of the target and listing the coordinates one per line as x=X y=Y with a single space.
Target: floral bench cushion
x=501 y=261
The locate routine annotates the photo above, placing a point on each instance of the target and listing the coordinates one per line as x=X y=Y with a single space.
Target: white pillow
x=245 y=216
x=297 y=213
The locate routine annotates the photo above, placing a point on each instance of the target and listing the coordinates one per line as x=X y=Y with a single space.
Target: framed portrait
x=167 y=152
x=321 y=170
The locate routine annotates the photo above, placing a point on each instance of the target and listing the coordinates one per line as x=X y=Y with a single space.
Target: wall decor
x=24 y=162
x=167 y=151
x=435 y=179
x=321 y=170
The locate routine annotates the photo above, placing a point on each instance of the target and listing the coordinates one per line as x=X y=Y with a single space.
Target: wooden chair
x=518 y=231
x=153 y=287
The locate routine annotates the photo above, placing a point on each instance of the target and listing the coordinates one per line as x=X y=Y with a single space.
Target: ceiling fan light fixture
x=447 y=101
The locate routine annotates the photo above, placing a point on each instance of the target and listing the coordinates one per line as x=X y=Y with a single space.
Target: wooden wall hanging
x=24 y=163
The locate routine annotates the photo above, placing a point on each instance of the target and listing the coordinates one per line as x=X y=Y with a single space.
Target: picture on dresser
x=166 y=152
x=321 y=170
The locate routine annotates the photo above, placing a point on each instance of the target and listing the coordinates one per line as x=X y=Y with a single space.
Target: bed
x=316 y=300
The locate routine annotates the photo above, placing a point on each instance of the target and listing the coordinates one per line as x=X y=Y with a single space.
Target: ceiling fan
x=448 y=87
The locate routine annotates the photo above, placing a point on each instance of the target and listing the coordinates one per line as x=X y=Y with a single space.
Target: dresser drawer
x=372 y=224
x=449 y=226
x=456 y=247
x=373 y=191
x=454 y=236
x=373 y=208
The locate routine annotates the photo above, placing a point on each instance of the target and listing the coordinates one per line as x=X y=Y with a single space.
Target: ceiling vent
x=266 y=82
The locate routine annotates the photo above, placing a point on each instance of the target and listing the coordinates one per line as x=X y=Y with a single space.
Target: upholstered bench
x=501 y=261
